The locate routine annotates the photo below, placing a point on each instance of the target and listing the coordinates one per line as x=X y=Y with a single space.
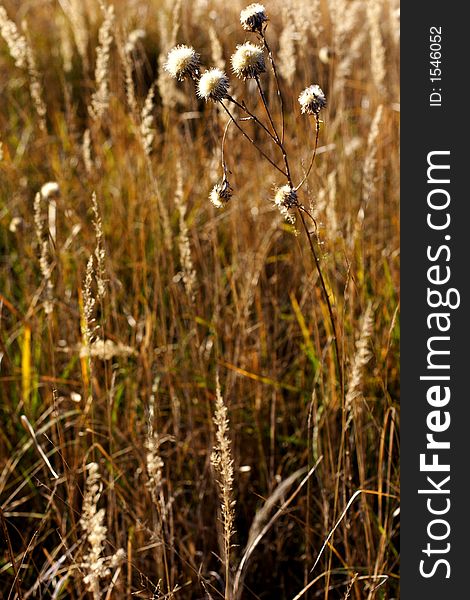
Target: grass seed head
x=312 y=100
x=248 y=61
x=50 y=190
x=252 y=17
x=213 y=85
x=182 y=61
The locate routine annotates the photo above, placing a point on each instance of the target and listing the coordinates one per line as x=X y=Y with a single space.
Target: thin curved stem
x=276 y=78
x=251 y=140
x=313 y=155
x=268 y=112
x=252 y=116
x=328 y=302
x=224 y=166
x=308 y=213
x=277 y=140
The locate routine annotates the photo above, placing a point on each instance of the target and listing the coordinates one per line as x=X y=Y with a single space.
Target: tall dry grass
x=141 y=328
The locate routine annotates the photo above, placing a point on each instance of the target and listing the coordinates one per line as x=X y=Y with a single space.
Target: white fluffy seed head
x=213 y=85
x=221 y=193
x=182 y=61
x=50 y=189
x=252 y=17
x=285 y=197
x=312 y=100
x=248 y=61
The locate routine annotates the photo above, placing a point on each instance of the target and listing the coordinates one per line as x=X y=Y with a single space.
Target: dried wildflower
x=248 y=61
x=312 y=100
x=221 y=193
x=285 y=196
x=213 y=85
x=252 y=17
x=181 y=61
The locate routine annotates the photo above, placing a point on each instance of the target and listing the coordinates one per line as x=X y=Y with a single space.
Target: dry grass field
x=192 y=405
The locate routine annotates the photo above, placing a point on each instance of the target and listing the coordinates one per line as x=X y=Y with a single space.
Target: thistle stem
x=268 y=113
x=327 y=298
x=277 y=139
x=252 y=116
x=313 y=155
x=252 y=141
x=276 y=78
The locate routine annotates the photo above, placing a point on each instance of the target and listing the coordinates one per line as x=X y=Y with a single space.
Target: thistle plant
x=249 y=62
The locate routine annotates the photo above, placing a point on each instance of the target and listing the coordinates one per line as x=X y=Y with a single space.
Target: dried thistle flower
x=252 y=17
x=213 y=85
x=285 y=196
x=312 y=100
x=221 y=193
x=181 y=61
x=248 y=61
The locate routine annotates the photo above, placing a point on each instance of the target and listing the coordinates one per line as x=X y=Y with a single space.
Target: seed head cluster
x=221 y=193
x=252 y=17
x=213 y=85
x=248 y=61
x=312 y=100
x=182 y=61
